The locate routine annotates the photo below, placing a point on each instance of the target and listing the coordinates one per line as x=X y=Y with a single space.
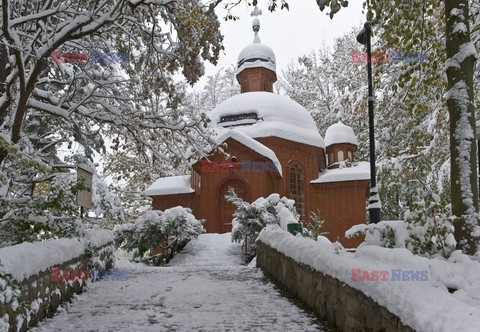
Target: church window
x=297 y=188
x=340 y=156
x=244 y=87
x=331 y=159
x=238 y=119
x=265 y=86
x=350 y=157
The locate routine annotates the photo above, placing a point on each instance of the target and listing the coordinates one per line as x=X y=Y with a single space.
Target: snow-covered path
x=203 y=289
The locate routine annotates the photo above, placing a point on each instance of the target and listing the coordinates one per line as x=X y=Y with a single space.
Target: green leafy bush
x=430 y=226
x=313 y=229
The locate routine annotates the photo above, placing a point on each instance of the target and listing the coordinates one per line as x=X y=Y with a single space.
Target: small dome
x=340 y=133
x=256 y=55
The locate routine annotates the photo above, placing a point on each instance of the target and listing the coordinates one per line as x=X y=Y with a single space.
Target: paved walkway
x=203 y=289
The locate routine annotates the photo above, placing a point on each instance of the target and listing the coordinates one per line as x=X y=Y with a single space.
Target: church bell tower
x=256 y=70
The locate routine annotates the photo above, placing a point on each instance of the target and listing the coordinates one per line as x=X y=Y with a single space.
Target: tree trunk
x=461 y=56
x=3 y=67
x=4 y=72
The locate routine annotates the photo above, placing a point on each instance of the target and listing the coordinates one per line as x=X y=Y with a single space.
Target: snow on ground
x=210 y=250
x=203 y=289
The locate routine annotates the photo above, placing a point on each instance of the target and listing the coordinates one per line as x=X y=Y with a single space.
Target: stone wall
x=341 y=306
x=42 y=296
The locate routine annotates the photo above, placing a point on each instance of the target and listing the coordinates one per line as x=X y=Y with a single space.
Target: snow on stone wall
x=27 y=259
x=33 y=294
x=443 y=296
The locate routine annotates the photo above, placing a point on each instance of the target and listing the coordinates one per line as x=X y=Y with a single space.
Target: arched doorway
x=226 y=209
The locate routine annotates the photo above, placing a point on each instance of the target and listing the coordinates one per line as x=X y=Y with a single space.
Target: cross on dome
x=256 y=12
x=256 y=23
x=256 y=55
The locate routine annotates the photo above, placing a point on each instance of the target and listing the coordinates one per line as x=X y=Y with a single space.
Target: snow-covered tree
x=46 y=103
x=426 y=229
x=419 y=26
x=50 y=211
x=331 y=87
x=250 y=218
x=46 y=207
x=220 y=86
x=81 y=95
x=412 y=122
x=460 y=64
x=105 y=203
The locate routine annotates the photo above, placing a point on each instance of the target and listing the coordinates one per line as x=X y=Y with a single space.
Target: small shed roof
x=170 y=186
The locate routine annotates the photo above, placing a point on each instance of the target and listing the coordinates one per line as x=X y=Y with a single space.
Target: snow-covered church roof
x=256 y=54
x=356 y=172
x=250 y=143
x=340 y=133
x=264 y=114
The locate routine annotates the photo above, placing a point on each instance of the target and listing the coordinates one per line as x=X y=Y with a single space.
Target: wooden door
x=227 y=209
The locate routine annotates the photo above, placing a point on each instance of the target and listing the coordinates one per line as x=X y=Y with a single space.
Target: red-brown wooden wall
x=341 y=204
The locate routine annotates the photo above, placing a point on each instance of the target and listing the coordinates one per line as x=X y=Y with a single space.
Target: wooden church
x=271 y=145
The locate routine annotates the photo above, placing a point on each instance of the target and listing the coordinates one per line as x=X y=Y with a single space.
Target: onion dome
x=340 y=133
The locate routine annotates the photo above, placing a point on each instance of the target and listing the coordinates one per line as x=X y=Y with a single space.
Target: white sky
x=290 y=34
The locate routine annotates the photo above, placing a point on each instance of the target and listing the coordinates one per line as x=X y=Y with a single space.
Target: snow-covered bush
x=171 y=229
x=10 y=291
x=250 y=218
x=388 y=234
x=427 y=229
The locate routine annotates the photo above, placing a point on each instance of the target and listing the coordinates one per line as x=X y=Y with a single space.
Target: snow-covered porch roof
x=248 y=142
x=170 y=186
x=359 y=171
